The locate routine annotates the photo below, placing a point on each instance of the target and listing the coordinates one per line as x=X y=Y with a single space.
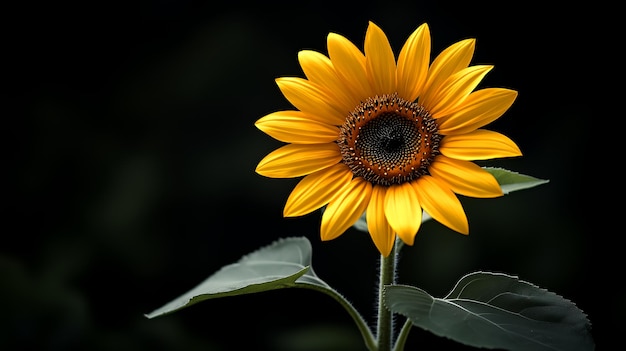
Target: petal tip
x=408 y=240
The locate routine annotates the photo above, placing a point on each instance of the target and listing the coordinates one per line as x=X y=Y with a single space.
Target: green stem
x=404 y=333
x=385 y=318
x=366 y=332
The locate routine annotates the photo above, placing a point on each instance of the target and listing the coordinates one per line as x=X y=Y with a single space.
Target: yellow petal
x=455 y=89
x=451 y=60
x=441 y=203
x=295 y=160
x=349 y=62
x=345 y=209
x=380 y=61
x=479 y=109
x=413 y=63
x=465 y=178
x=298 y=128
x=480 y=144
x=403 y=211
x=381 y=232
x=308 y=98
x=319 y=69
x=317 y=189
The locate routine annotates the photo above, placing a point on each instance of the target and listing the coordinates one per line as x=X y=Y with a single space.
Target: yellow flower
x=385 y=137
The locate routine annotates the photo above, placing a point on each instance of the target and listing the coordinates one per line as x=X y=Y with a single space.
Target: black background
x=131 y=153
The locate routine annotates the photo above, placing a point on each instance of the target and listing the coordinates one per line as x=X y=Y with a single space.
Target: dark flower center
x=388 y=140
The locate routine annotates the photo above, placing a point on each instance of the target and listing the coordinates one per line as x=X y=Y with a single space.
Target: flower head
x=387 y=137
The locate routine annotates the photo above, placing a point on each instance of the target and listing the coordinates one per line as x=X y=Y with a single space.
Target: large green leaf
x=283 y=264
x=494 y=310
x=512 y=181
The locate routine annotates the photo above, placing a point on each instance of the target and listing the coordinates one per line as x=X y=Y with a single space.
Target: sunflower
x=385 y=137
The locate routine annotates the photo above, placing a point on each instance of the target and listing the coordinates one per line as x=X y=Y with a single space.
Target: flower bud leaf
x=512 y=181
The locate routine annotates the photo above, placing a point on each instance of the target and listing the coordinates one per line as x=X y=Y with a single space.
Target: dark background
x=132 y=149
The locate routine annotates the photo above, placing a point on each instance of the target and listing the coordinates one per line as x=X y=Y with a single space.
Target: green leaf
x=512 y=181
x=283 y=264
x=494 y=310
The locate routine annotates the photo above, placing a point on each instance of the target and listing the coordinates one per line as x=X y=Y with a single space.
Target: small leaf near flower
x=512 y=181
x=498 y=311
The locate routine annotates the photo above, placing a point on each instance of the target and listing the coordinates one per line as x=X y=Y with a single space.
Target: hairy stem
x=385 y=319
